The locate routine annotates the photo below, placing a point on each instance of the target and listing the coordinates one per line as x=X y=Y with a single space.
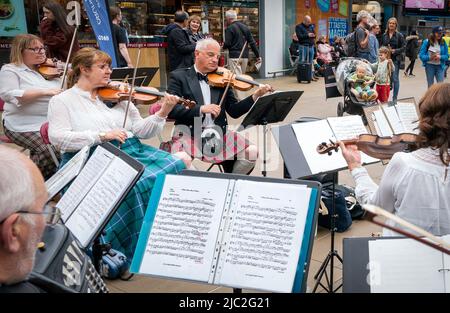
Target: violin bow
x=132 y=85
x=430 y=240
x=66 y=66
x=233 y=73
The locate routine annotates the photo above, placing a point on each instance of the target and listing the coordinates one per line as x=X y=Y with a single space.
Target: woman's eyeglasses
x=37 y=50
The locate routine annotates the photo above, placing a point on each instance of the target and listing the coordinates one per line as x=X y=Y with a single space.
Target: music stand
x=144 y=75
x=272 y=108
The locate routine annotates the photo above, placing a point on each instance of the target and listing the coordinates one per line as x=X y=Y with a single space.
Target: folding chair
x=44 y=134
x=293 y=60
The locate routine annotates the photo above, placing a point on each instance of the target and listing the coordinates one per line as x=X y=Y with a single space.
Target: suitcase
x=304 y=67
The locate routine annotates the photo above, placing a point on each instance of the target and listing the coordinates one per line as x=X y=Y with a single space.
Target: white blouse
x=14 y=81
x=415 y=186
x=75 y=120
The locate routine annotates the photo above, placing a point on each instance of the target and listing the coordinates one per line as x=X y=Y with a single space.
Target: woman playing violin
x=415 y=186
x=77 y=117
x=26 y=94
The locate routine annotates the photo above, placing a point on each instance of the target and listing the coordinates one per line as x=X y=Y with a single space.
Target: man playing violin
x=206 y=122
x=26 y=94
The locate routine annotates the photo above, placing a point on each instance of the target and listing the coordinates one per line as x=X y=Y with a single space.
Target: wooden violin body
x=141 y=95
x=222 y=76
x=382 y=148
x=49 y=70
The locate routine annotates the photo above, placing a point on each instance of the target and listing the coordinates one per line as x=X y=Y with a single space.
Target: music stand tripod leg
x=332 y=253
x=264 y=171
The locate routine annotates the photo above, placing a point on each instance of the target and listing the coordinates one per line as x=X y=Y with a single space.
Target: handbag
x=343 y=218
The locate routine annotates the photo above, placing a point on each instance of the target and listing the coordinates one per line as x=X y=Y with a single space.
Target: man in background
x=306 y=37
x=180 y=48
x=447 y=41
x=22 y=222
x=120 y=34
x=236 y=34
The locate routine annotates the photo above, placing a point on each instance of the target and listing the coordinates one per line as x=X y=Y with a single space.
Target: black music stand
x=272 y=108
x=144 y=75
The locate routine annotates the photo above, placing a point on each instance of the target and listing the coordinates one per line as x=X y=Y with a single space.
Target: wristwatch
x=102 y=136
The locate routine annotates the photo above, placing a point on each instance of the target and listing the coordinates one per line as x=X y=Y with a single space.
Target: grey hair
x=16 y=183
x=231 y=14
x=362 y=14
x=203 y=44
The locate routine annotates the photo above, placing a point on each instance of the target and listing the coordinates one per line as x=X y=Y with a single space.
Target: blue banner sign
x=337 y=27
x=97 y=11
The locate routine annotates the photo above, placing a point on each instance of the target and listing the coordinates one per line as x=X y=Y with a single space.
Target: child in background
x=361 y=84
x=383 y=70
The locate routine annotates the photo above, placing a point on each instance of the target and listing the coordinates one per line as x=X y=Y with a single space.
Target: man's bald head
x=307 y=20
x=22 y=188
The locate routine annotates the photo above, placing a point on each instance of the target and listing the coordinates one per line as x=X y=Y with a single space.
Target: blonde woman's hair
x=195 y=18
x=19 y=44
x=85 y=57
x=390 y=20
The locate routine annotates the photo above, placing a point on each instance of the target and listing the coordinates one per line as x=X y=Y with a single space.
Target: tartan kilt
x=232 y=141
x=122 y=231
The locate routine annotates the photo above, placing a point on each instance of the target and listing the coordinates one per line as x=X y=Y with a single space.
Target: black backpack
x=62 y=266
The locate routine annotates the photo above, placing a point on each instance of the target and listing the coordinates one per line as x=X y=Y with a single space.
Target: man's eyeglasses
x=52 y=214
x=37 y=50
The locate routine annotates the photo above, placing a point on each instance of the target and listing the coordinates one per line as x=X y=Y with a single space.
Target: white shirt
x=75 y=120
x=14 y=81
x=415 y=186
x=206 y=93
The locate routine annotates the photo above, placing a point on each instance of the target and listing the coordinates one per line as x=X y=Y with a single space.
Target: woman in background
x=194 y=29
x=434 y=54
x=56 y=33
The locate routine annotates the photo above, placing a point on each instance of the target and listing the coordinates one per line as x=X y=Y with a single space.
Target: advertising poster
x=337 y=27
x=12 y=18
x=322 y=28
x=343 y=7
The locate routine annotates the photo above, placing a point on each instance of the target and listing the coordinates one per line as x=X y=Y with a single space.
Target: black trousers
x=410 y=67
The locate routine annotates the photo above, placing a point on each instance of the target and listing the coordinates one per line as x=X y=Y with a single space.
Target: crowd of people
x=415 y=186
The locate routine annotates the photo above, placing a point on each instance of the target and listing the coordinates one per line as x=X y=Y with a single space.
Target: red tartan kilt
x=233 y=143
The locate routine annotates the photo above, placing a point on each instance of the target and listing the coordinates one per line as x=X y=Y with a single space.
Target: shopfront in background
x=144 y=20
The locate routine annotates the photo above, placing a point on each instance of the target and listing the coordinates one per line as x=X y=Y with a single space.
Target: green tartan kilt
x=122 y=231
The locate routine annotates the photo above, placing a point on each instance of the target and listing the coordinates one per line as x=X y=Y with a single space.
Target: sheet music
x=381 y=124
x=264 y=237
x=408 y=115
x=405 y=265
x=68 y=172
x=350 y=127
x=309 y=136
x=100 y=200
x=185 y=229
x=93 y=169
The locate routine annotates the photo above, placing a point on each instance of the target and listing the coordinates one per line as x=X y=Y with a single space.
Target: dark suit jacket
x=184 y=83
x=180 y=49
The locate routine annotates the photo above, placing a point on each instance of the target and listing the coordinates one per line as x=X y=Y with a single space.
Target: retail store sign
x=97 y=11
x=12 y=18
x=337 y=27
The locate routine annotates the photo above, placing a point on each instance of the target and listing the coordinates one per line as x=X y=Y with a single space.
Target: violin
x=141 y=95
x=382 y=148
x=222 y=76
x=49 y=70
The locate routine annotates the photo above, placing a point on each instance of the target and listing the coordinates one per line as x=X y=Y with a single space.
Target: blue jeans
x=395 y=81
x=432 y=71
x=364 y=55
x=306 y=54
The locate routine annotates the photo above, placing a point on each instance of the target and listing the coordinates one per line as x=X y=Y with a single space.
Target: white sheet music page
x=409 y=117
x=381 y=124
x=446 y=269
x=264 y=237
x=91 y=172
x=405 y=265
x=350 y=127
x=185 y=229
x=68 y=172
x=100 y=200
x=309 y=136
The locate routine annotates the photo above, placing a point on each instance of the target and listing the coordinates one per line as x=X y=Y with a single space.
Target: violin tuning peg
x=323 y=143
x=330 y=153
